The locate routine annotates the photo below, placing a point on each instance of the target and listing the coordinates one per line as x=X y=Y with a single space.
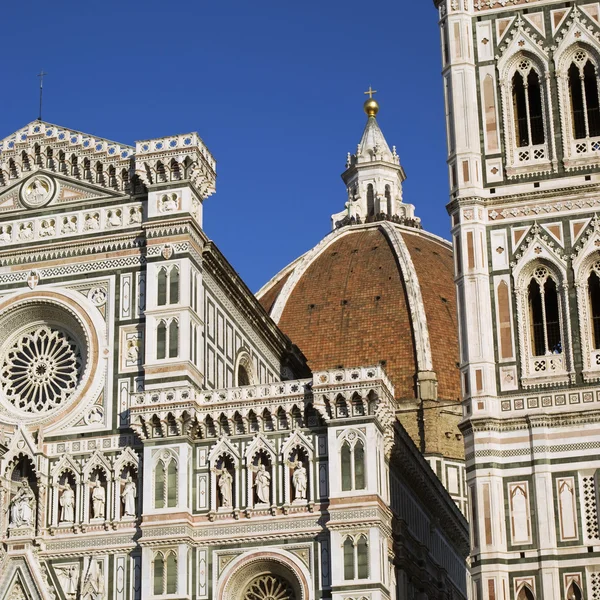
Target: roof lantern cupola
x=373 y=179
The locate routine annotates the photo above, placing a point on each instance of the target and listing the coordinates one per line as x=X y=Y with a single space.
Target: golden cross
x=370 y=92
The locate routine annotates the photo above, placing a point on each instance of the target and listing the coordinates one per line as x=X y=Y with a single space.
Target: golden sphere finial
x=371 y=105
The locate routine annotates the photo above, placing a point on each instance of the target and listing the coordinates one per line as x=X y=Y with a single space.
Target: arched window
x=359 y=466
x=370 y=201
x=242 y=376
x=159 y=485
x=167 y=286
x=165 y=483
x=574 y=592
x=356 y=557
x=164 y=576
x=346 y=467
x=583 y=90
x=62 y=163
x=525 y=594
x=99 y=173
x=172 y=484
x=74 y=166
x=162 y=287
x=49 y=158
x=527 y=106
x=173 y=339
x=362 y=558
x=245 y=373
x=388 y=198
x=158 y=574
x=348 y=558
x=352 y=455
x=594 y=299
x=174 y=286
x=171 y=583
x=544 y=314
x=161 y=340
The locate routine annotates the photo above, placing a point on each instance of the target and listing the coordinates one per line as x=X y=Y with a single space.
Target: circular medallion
x=41 y=369
x=37 y=191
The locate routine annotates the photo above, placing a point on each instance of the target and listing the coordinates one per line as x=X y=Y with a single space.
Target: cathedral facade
x=523 y=126
x=160 y=437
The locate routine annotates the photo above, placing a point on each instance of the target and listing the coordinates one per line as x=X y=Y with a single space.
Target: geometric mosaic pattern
x=591 y=510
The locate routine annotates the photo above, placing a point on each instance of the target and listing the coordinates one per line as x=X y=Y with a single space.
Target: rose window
x=41 y=369
x=269 y=587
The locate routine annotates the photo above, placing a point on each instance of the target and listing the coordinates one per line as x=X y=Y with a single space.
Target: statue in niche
x=262 y=482
x=22 y=506
x=47 y=228
x=169 y=203
x=135 y=216
x=69 y=225
x=67 y=503
x=299 y=479
x=92 y=222
x=114 y=218
x=128 y=496
x=98 y=500
x=225 y=484
x=5 y=233
x=133 y=351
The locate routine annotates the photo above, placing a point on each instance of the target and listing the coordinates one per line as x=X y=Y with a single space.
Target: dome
x=377 y=293
x=380 y=290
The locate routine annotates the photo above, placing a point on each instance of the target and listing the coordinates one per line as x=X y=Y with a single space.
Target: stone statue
x=67 y=503
x=69 y=579
x=22 y=506
x=128 y=496
x=98 y=500
x=262 y=482
x=225 y=484
x=299 y=480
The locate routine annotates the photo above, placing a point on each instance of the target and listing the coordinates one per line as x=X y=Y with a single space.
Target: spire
x=373 y=178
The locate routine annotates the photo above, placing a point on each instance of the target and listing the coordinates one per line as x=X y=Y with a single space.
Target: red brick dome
x=374 y=293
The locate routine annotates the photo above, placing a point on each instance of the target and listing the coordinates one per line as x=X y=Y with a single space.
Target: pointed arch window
x=585 y=102
x=356 y=557
x=164 y=573
x=574 y=592
x=352 y=455
x=388 y=199
x=168 y=285
x=165 y=483
x=527 y=106
x=594 y=303
x=173 y=339
x=370 y=201
x=161 y=340
x=544 y=313
x=525 y=593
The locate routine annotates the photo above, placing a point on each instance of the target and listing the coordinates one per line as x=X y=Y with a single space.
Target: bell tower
x=521 y=89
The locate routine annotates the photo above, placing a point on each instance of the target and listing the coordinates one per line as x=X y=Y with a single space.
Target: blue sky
x=275 y=89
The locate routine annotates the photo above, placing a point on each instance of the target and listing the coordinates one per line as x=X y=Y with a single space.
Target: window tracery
x=168 y=286
x=41 y=369
x=587 y=284
x=526 y=107
x=167 y=339
x=164 y=573
x=544 y=335
x=269 y=587
x=352 y=454
x=165 y=481
x=356 y=557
